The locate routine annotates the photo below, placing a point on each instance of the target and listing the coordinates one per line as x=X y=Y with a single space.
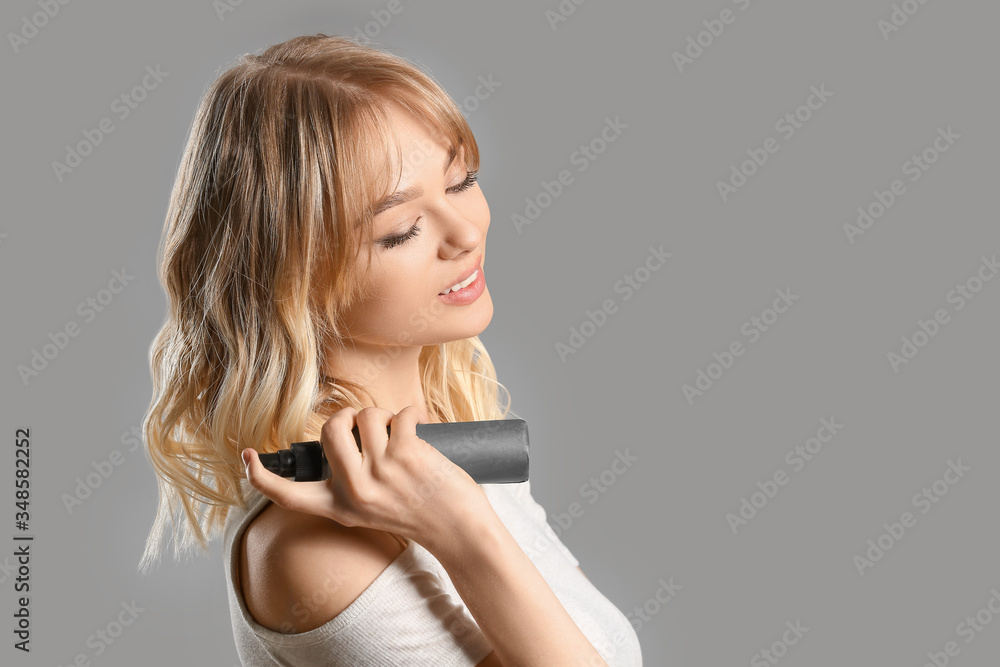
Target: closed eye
x=392 y=241
x=469 y=181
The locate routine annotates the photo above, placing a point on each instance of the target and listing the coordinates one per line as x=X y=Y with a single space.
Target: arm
x=400 y=484
x=521 y=617
x=298 y=571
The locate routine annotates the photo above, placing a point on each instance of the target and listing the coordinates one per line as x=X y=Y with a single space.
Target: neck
x=391 y=373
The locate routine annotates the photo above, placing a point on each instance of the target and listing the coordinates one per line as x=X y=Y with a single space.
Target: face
x=429 y=236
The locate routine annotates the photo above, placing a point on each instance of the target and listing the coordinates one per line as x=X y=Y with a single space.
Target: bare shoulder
x=490 y=661
x=297 y=571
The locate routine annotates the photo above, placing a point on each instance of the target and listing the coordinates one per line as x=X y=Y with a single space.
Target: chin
x=472 y=322
x=487 y=317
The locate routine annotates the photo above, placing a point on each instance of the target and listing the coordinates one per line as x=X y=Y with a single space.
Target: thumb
x=265 y=481
x=304 y=497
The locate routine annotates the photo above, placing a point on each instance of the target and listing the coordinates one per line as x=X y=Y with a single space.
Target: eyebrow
x=412 y=192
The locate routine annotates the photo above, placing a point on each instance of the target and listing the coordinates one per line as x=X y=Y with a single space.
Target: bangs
x=377 y=149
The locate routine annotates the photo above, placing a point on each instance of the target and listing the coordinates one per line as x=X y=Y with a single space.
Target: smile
x=464 y=283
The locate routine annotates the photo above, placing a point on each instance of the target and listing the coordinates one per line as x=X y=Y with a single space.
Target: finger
x=405 y=421
x=341 y=452
x=297 y=496
x=424 y=417
x=372 y=424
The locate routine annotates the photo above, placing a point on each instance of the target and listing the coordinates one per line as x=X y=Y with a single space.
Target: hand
x=398 y=484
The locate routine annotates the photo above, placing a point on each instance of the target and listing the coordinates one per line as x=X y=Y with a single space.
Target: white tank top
x=411 y=613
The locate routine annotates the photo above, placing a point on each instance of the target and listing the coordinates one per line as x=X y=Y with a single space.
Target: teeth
x=463 y=284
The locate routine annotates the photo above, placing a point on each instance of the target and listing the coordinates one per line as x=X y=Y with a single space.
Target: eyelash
x=393 y=241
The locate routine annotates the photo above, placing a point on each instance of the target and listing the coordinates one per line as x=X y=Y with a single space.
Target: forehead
x=419 y=145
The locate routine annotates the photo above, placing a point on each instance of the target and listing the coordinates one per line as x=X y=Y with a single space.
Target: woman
x=324 y=257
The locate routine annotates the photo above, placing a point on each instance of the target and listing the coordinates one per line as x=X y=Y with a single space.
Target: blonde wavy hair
x=288 y=153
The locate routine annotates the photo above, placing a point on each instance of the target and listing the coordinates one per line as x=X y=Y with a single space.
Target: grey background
x=656 y=184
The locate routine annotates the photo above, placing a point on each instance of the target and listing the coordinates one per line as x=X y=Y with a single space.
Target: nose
x=463 y=228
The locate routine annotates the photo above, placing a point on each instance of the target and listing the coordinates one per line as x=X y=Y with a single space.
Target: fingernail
x=245 y=455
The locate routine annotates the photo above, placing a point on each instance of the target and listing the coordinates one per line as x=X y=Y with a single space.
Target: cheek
x=403 y=297
x=408 y=311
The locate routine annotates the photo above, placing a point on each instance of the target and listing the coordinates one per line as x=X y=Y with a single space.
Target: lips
x=464 y=276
